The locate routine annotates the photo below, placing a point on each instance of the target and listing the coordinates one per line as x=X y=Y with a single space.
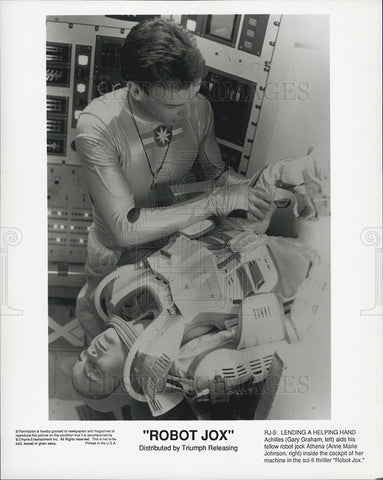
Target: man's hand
x=260 y=204
x=253 y=200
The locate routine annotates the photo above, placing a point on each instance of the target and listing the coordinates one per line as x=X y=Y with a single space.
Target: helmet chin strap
x=125 y=332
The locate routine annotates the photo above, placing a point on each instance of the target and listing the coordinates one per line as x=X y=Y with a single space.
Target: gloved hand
x=314 y=166
x=310 y=177
x=254 y=200
x=317 y=170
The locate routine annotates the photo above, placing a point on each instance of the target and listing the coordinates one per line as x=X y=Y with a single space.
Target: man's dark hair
x=160 y=51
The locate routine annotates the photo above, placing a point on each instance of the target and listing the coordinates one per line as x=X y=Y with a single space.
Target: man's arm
x=114 y=201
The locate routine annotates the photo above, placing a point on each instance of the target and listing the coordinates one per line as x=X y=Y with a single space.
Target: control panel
x=58 y=58
x=253 y=34
x=82 y=62
x=238 y=50
x=218 y=28
x=57 y=124
x=106 y=74
x=231 y=99
x=69 y=215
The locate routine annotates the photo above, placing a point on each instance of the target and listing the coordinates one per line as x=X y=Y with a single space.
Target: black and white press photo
x=188 y=167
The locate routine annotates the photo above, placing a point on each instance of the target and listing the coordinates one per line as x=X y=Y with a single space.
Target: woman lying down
x=183 y=324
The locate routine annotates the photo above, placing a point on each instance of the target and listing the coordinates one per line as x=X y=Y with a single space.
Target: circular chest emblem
x=162 y=135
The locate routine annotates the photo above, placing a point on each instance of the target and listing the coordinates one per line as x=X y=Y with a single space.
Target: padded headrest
x=117 y=287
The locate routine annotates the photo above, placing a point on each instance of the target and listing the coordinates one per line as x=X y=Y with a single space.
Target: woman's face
x=100 y=366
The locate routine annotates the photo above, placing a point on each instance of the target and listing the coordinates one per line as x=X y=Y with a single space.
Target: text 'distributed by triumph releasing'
x=299 y=446
x=311 y=446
